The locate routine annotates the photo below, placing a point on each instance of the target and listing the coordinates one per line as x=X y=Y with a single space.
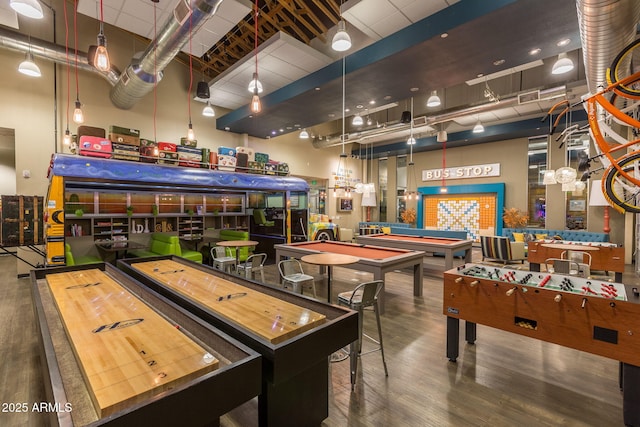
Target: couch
x=166 y=244
x=451 y=234
x=71 y=259
x=568 y=235
x=383 y=224
x=237 y=235
x=500 y=248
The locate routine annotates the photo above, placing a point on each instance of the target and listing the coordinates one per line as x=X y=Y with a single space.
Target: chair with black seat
x=292 y=274
x=254 y=264
x=260 y=219
x=222 y=259
x=363 y=296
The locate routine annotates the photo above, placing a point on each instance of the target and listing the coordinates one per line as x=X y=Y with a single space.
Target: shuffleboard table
x=294 y=334
x=116 y=353
x=422 y=243
x=374 y=259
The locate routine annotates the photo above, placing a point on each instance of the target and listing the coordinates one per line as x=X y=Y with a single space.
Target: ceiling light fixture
x=341 y=40
x=190 y=134
x=28 y=67
x=101 y=57
x=357 y=120
x=564 y=64
x=256 y=105
x=208 y=110
x=78 y=115
x=478 y=128
x=303 y=134
x=28 y=8
x=434 y=100
x=342 y=170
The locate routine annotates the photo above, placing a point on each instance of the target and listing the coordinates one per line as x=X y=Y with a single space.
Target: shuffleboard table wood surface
x=127 y=351
x=271 y=318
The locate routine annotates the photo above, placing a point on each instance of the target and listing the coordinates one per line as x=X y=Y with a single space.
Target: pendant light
x=478 y=128
x=28 y=8
x=28 y=67
x=255 y=86
x=357 y=120
x=190 y=134
x=303 y=134
x=101 y=56
x=208 y=110
x=341 y=41
x=434 y=100
x=564 y=64
x=66 y=140
x=342 y=183
x=412 y=182
x=78 y=115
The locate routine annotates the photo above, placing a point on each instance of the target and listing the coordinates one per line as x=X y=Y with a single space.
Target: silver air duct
x=606 y=27
x=51 y=52
x=139 y=78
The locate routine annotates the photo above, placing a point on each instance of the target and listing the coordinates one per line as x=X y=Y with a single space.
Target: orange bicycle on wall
x=621 y=177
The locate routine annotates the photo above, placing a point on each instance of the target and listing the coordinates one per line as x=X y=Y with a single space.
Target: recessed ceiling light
x=227 y=128
x=289 y=127
x=317 y=88
x=498 y=62
x=346 y=110
x=372 y=102
x=563 y=42
x=273 y=132
x=387 y=97
x=414 y=89
x=250 y=116
x=444 y=35
x=332 y=115
x=297 y=125
x=359 y=106
x=281 y=130
x=535 y=51
x=480 y=75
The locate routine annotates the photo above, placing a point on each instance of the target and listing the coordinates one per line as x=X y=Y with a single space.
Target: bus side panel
x=55 y=222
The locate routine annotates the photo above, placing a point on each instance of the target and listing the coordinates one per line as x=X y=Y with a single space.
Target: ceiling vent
x=523 y=98
x=420 y=121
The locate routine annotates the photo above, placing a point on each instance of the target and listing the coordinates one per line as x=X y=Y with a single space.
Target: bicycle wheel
x=620 y=191
x=621 y=68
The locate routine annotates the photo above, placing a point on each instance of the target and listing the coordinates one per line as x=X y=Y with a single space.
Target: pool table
x=373 y=259
x=444 y=245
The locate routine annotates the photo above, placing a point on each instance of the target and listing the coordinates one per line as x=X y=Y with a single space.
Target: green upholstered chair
x=70 y=259
x=237 y=235
x=166 y=244
x=260 y=219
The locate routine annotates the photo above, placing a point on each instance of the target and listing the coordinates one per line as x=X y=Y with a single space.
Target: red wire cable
x=101 y=12
x=75 y=36
x=190 y=66
x=255 y=39
x=66 y=47
x=155 y=75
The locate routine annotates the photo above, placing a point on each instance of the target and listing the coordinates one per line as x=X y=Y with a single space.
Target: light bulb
x=191 y=136
x=341 y=40
x=255 y=83
x=101 y=57
x=67 y=137
x=335 y=193
x=411 y=140
x=78 y=115
x=256 y=106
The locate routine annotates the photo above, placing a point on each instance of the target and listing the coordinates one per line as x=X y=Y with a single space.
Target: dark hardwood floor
x=503 y=380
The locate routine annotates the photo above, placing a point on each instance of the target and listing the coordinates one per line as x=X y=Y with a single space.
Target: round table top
x=568 y=247
x=236 y=243
x=326 y=258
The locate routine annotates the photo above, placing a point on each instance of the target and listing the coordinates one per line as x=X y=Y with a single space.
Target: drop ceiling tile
x=8 y=17
x=420 y=9
x=391 y=24
x=140 y=9
x=132 y=23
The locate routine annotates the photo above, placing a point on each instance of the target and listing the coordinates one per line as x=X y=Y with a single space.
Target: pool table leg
x=448 y=260
x=417 y=279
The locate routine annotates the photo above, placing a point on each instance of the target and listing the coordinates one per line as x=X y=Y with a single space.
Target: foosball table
x=602 y=316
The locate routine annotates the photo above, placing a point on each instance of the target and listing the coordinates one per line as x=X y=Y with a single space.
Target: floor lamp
x=596 y=198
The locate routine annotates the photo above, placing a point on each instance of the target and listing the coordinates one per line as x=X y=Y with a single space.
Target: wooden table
x=119 y=247
x=372 y=259
x=429 y=244
x=295 y=390
x=603 y=258
x=237 y=244
x=329 y=260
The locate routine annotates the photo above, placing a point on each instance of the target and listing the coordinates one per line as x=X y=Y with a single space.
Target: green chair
x=260 y=219
x=72 y=260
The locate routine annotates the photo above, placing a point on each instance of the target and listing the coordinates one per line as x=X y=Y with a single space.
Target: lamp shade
x=596 y=196
x=29 y=67
x=357 y=120
x=563 y=65
x=208 y=111
x=341 y=41
x=478 y=128
x=202 y=90
x=304 y=134
x=565 y=175
x=28 y=8
x=549 y=177
x=434 y=100
x=406 y=117
x=369 y=195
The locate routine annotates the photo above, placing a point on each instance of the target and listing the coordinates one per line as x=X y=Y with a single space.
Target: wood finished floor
x=503 y=380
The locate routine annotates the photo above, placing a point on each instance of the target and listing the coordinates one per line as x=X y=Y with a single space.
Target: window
x=537 y=190
x=382 y=184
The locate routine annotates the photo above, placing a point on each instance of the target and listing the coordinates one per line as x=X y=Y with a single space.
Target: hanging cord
x=75 y=41
x=190 y=66
x=66 y=49
x=255 y=41
x=155 y=75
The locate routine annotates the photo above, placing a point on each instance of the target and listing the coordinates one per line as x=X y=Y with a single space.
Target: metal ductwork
x=51 y=52
x=606 y=27
x=422 y=124
x=140 y=76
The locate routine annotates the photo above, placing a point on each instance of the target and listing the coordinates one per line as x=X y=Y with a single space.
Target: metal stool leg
x=356 y=349
x=262 y=275
x=375 y=309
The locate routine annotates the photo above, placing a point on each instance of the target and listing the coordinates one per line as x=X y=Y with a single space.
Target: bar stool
x=254 y=264
x=222 y=260
x=364 y=295
x=292 y=274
